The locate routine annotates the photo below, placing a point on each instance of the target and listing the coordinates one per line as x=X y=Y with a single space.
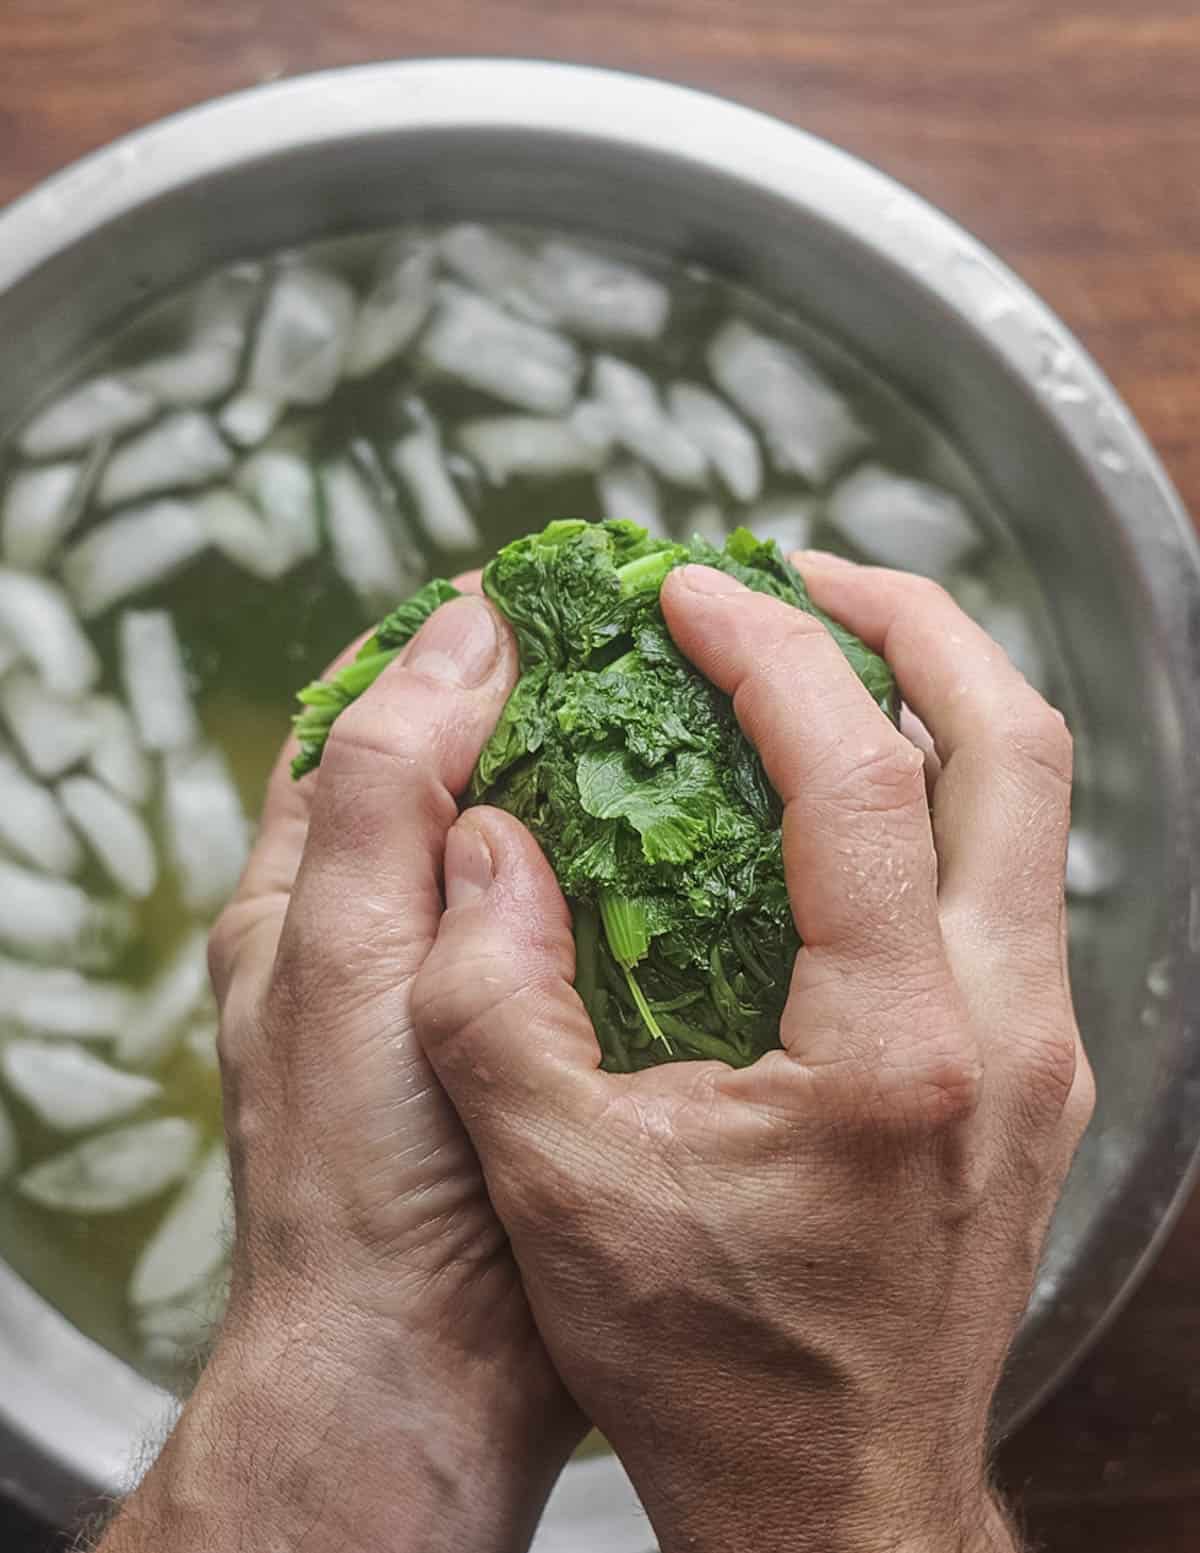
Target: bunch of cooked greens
x=630 y=769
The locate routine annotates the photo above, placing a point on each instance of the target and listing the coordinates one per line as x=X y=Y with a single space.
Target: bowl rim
x=684 y=125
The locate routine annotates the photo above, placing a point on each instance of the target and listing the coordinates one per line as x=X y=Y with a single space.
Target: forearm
x=284 y=1445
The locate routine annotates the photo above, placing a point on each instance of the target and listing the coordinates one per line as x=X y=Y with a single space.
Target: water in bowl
x=242 y=480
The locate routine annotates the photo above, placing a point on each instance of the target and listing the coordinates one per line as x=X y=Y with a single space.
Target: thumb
x=493 y=1003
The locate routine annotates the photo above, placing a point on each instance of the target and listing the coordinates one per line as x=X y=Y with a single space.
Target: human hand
x=786 y=1292
x=379 y=1382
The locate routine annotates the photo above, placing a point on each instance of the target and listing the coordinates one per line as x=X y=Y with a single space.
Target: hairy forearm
x=284 y=1447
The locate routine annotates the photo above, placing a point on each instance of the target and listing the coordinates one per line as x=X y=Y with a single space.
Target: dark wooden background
x=1065 y=134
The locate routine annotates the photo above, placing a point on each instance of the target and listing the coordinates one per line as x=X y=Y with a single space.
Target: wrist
x=820 y=1492
x=302 y=1429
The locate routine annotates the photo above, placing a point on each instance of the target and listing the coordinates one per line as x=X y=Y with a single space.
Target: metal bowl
x=908 y=293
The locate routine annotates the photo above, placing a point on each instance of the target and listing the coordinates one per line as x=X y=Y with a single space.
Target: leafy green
x=630 y=769
x=324 y=700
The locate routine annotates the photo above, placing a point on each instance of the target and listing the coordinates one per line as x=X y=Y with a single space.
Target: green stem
x=644 y=1009
x=587 y=947
x=625 y=927
x=362 y=673
x=645 y=575
x=750 y=960
x=701 y=1042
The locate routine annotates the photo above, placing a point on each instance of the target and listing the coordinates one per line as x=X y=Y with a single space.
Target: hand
x=379 y=1383
x=786 y=1293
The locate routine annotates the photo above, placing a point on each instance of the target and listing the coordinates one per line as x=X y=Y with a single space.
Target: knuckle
x=1034 y=735
x=943 y=1094
x=883 y=776
x=1081 y=1102
x=441 y=1002
x=362 y=741
x=926 y=595
x=1046 y=1067
x=913 y=1092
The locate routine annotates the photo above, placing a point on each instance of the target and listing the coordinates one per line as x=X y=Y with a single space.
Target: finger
x=857 y=843
x=1002 y=806
x=366 y=901
x=493 y=1004
x=469 y=582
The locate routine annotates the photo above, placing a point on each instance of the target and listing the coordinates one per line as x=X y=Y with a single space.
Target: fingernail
x=469 y=868
x=705 y=579
x=823 y=558
x=458 y=645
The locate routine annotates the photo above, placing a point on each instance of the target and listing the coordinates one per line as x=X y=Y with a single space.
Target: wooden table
x=1065 y=134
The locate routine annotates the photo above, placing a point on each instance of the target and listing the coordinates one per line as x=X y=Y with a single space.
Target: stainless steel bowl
x=906 y=291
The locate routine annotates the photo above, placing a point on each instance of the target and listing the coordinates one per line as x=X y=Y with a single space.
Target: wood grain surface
x=1065 y=135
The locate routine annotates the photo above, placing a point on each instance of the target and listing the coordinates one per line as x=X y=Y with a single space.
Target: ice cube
x=200 y=1042
x=237 y=530
x=495 y=266
x=809 y=428
x=192 y=1241
x=33 y=826
x=37 y=618
x=629 y=491
x=51 y=920
x=1093 y=864
x=248 y=419
x=593 y=423
x=115 y=832
x=281 y=485
x=49 y=1001
x=162 y=1013
x=184 y=449
x=419 y=462
x=116 y=756
x=599 y=297
x=102 y=407
x=156 y=680
x=1012 y=628
x=207 y=833
x=179 y=1330
x=302 y=338
x=904 y=523
x=39 y=509
x=532 y=446
x=788 y=520
x=726 y=441
x=364 y=535
x=397 y=305
x=521 y=363
x=70 y=1089
x=117 y=1170
x=642 y=425
x=206 y=366
x=194 y=375
x=53 y=732
x=706 y=521
x=132 y=552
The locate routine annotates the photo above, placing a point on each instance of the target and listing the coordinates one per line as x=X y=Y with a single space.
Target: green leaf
x=633 y=775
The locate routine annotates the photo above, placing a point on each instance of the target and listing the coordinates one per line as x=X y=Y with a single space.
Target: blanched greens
x=630 y=769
